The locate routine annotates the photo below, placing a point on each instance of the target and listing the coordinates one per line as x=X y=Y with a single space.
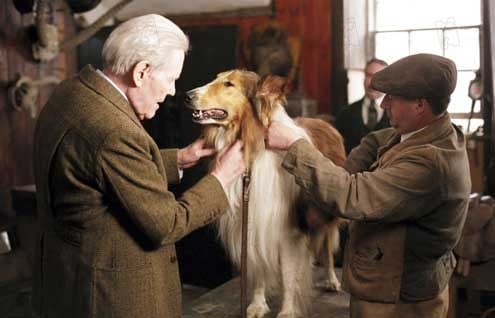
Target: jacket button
x=173 y=259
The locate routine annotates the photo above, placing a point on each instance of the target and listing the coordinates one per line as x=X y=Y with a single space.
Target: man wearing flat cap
x=405 y=190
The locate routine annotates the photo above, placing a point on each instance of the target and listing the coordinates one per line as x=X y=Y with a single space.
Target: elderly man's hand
x=189 y=156
x=280 y=137
x=229 y=164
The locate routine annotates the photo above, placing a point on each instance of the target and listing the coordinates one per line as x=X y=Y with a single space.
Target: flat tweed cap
x=417 y=76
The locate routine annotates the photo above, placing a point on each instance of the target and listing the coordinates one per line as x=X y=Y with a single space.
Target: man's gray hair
x=150 y=37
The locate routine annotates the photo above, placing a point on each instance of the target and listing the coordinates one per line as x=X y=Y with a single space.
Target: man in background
x=365 y=115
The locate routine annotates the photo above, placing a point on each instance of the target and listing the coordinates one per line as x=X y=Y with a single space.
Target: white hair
x=150 y=37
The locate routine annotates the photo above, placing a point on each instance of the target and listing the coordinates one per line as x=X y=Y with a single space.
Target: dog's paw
x=257 y=310
x=330 y=285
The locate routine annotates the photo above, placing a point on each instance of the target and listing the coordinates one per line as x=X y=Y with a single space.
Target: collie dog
x=240 y=105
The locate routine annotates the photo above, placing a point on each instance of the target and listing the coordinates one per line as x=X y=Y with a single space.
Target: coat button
x=173 y=259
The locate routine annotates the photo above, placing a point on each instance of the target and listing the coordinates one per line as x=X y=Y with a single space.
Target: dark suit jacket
x=108 y=221
x=350 y=124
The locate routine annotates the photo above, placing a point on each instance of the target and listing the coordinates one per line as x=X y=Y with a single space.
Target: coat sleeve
x=127 y=171
x=169 y=158
x=364 y=155
x=407 y=188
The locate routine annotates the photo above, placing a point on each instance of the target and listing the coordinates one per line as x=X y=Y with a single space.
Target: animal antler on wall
x=48 y=46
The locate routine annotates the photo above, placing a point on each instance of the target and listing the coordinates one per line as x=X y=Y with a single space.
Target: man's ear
x=421 y=105
x=141 y=70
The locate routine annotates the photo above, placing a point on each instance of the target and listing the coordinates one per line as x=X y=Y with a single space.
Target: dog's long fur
x=238 y=105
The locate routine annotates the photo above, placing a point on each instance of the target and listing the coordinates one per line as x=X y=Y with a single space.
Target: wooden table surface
x=224 y=302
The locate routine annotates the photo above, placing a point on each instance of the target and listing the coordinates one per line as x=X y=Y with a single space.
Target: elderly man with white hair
x=107 y=220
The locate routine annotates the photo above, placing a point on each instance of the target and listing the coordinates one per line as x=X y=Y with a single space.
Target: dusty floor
x=15 y=301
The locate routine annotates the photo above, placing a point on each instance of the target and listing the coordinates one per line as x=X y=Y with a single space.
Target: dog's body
x=237 y=106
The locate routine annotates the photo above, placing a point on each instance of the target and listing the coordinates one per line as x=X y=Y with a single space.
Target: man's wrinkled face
x=401 y=112
x=157 y=84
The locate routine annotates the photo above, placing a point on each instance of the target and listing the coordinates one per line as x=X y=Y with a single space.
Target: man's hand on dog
x=229 y=164
x=280 y=137
x=189 y=156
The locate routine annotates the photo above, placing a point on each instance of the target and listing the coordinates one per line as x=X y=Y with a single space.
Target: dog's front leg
x=295 y=261
x=258 y=307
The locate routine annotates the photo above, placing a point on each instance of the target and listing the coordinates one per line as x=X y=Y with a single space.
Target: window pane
x=391 y=46
x=407 y=14
x=355 y=86
x=460 y=101
x=462 y=46
x=463 y=124
x=355 y=29
x=427 y=42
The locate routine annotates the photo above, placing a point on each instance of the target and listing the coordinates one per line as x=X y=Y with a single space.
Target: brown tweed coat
x=108 y=222
x=408 y=201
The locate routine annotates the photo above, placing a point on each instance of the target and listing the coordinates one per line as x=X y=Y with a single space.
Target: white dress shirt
x=111 y=82
x=409 y=134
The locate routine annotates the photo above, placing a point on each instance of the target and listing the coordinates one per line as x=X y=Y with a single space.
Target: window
x=451 y=28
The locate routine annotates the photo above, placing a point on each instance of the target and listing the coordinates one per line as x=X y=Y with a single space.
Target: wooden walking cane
x=246 y=179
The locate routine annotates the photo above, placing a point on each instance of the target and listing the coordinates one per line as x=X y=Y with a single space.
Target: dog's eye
x=228 y=84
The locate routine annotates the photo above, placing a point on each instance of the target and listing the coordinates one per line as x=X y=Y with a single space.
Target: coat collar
x=96 y=82
x=439 y=129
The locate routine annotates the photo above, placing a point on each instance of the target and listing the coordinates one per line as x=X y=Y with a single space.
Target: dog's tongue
x=214 y=113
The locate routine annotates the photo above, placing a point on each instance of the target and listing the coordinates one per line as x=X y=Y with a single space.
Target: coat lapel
x=96 y=82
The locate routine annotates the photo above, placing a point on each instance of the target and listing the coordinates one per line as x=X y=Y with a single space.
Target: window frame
x=371 y=39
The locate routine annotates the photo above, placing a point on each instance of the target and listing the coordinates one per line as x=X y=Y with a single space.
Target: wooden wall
x=17 y=127
x=309 y=20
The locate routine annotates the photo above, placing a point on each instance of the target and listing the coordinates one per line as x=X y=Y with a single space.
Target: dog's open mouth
x=212 y=113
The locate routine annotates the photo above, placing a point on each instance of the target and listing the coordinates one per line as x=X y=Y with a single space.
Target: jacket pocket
x=375 y=262
x=367 y=258
x=124 y=293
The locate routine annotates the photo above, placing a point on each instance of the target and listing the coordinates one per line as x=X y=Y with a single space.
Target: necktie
x=372 y=115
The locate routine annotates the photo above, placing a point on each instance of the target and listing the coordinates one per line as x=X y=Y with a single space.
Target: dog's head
x=222 y=101
x=237 y=105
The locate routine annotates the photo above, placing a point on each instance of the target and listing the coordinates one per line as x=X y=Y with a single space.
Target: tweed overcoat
x=408 y=202
x=108 y=221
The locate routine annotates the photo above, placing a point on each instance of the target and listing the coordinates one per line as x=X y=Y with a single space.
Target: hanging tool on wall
x=47 y=45
x=23 y=93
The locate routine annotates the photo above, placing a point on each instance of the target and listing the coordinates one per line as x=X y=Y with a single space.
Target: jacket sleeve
x=127 y=171
x=169 y=158
x=365 y=154
x=407 y=188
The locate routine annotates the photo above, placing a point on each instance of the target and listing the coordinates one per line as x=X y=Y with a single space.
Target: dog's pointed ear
x=250 y=84
x=273 y=85
x=271 y=92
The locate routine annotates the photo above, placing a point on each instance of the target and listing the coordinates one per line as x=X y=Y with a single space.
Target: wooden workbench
x=224 y=302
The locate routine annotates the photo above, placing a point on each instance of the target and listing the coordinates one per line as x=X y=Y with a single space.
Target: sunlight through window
x=450 y=28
